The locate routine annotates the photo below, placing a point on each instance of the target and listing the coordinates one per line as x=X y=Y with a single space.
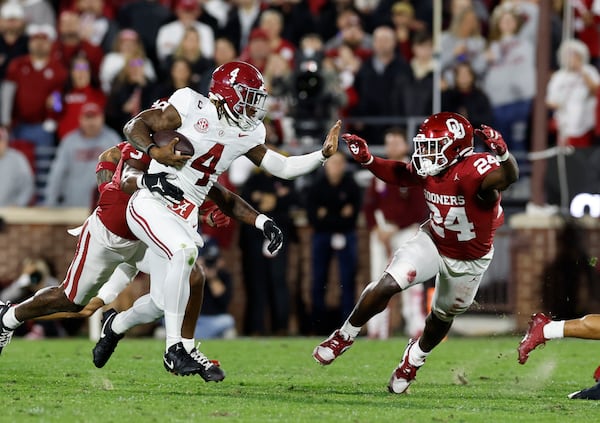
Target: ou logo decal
x=457 y=128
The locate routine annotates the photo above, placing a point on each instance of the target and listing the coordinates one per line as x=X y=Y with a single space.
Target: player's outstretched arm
x=235 y=206
x=139 y=129
x=508 y=173
x=294 y=166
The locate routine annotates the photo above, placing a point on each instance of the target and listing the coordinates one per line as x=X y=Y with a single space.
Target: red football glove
x=358 y=148
x=214 y=217
x=493 y=139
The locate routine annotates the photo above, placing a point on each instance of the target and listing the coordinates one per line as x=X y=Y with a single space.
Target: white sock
x=554 y=330
x=349 y=331
x=10 y=320
x=177 y=293
x=144 y=310
x=416 y=356
x=188 y=344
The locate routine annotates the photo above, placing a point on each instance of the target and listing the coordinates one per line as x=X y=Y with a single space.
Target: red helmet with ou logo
x=241 y=88
x=442 y=140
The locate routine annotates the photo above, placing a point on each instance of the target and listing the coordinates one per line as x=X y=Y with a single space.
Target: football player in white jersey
x=221 y=128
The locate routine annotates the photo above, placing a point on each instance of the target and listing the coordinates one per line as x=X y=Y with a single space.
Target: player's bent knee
x=449 y=314
x=197 y=277
x=404 y=274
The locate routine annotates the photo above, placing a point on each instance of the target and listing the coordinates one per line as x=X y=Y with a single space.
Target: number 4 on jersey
x=207 y=163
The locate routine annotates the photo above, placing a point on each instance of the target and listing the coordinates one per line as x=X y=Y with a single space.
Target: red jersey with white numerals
x=461 y=226
x=113 y=201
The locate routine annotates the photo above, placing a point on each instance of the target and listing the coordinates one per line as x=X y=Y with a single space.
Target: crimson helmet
x=442 y=140
x=241 y=89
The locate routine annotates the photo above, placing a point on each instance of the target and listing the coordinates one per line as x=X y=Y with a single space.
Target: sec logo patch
x=201 y=126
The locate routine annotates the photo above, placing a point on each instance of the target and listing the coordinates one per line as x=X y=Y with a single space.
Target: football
x=184 y=146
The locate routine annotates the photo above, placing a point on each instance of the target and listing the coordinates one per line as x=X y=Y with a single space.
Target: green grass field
x=277 y=380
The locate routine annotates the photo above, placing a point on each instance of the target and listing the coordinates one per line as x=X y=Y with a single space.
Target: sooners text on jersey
x=462 y=227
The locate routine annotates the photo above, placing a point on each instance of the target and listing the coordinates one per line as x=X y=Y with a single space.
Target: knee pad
x=403 y=273
x=448 y=315
x=185 y=257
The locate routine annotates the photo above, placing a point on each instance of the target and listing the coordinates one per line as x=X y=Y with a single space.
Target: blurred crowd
x=73 y=72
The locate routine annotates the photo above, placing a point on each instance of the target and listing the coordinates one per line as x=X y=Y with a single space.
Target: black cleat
x=5 y=333
x=108 y=340
x=179 y=362
x=592 y=393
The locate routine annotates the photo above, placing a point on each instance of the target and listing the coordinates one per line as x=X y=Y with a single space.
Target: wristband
x=260 y=221
x=146 y=149
x=323 y=159
x=503 y=157
x=110 y=166
x=368 y=162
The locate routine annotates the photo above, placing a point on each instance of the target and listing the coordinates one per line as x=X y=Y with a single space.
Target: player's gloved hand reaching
x=214 y=217
x=493 y=139
x=274 y=235
x=358 y=148
x=159 y=183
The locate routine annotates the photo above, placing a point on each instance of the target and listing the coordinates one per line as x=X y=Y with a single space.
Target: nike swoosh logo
x=242 y=135
x=103 y=331
x=169 y=364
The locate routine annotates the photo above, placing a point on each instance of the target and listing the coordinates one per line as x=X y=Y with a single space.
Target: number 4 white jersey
x=461 y=226
x=216 y=144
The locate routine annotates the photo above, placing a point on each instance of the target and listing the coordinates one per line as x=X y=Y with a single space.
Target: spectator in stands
x=278 y=82
x=180 y=76
x=13 y=41
x=127 y=45
x=258 y=49
x=72 y=179
x=39 y=12
x=511 y=97
x=346 y=65
x=385 y=72
x=36 y=274
x=96 y=28
x=190 y=50
x=403 y=21
x=271 y=21
x=27 y=95
x=241 y=19
x=352 y=34
x=17 y=187
x=70 y=43
x=297 y=19
x=466 y=98
x=332 y=204
x=316 y=91
x=393 y=215
x=145 y=17
x=585 y=23
x=215 y=321
x=169 y=36
x=224 y=52
x=129 y=94
x=265 y=275
x=463 y=42
x=418 y=95
x=571 y=94
x=78 y=91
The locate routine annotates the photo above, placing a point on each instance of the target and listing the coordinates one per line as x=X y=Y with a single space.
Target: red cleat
x=331 y=348
x=404 y=374
x=534 y=336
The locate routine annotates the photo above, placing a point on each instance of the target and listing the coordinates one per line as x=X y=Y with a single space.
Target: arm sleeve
x=293 y=166
x=392 y=171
